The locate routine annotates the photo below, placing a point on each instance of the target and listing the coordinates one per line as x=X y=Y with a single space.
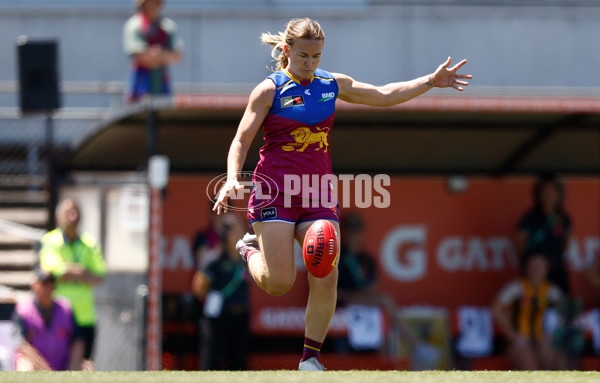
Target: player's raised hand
x=446 y=76
x=230 y=186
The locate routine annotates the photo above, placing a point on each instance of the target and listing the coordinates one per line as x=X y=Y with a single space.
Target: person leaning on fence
x=46 y=335
x=519 y=311
x=152 y=42
x=75 y=260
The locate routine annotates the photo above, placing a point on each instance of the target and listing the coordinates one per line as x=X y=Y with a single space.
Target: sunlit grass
x=303 y=377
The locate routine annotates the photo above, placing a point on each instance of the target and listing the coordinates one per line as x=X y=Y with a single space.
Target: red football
x=321 y=248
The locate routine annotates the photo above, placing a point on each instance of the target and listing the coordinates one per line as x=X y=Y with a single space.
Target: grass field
x=302 y=377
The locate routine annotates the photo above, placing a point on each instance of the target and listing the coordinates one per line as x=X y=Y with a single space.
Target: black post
x=51 y=172
x=152 y=131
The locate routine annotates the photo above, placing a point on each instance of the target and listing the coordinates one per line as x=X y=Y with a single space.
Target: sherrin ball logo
x=321 y=248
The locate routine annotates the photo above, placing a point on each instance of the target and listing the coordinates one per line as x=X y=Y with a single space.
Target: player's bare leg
x=319 y=310
x=321 y=305
x=321 y=298
x=273 y=268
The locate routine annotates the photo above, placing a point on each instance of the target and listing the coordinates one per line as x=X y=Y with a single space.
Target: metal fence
x=25 y=140
x=120 y=330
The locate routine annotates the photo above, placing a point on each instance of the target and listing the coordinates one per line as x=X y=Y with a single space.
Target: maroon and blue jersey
x=296 y=130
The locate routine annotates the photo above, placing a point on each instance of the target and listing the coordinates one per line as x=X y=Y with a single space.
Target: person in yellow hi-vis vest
x=76 y=261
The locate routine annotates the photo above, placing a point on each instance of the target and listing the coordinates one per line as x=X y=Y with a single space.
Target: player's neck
x=302 y=81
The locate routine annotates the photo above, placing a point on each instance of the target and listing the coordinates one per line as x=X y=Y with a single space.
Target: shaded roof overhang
x=432 y=134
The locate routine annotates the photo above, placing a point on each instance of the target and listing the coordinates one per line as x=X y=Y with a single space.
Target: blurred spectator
x=223 y=286
x=519 y=312
x=76 y=262
x=45 y=330
x=357 y=283
x=568 y=335
x=546 y=229
x=592 y=275
x=153 y=44
x=207 y=247
x=207 y=244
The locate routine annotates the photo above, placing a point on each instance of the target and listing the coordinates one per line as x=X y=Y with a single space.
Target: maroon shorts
x=291 y=209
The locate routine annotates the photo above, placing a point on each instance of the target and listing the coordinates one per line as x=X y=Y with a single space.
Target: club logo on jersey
x=291 y=101
x=303 y=137
x=327 y=96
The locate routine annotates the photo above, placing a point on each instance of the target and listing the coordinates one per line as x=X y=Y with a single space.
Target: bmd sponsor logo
x=327 y=96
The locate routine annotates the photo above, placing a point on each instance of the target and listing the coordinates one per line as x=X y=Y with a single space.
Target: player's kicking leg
x=319 y=311
x=271 y=264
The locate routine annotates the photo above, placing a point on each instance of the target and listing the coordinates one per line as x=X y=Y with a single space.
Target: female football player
x=295 y=107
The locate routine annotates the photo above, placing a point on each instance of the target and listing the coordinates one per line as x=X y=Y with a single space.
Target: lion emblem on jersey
x=304 y=137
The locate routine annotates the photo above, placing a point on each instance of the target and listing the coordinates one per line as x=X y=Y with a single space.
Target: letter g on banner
x=403 y=254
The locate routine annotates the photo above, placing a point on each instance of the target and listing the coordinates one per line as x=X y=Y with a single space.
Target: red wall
x=433 y=247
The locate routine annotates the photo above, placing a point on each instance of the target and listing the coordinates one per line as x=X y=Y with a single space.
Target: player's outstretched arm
x=357 y=92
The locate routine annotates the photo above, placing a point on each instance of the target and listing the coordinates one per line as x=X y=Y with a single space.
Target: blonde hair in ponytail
x=296 y=29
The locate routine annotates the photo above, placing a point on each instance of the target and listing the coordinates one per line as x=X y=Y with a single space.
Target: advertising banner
x=434 y=244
